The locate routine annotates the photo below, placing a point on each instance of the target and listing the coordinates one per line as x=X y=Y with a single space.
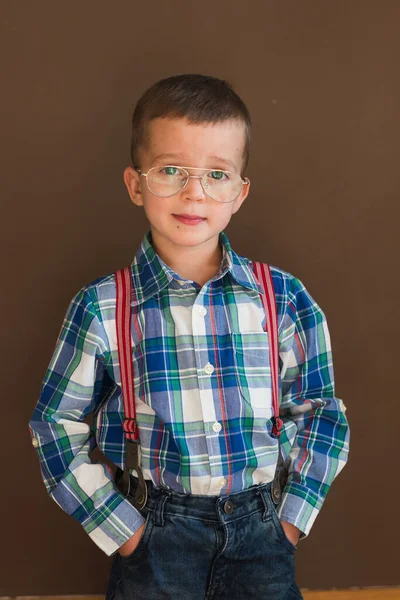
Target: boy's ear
x=241 y=198
x=132 y=182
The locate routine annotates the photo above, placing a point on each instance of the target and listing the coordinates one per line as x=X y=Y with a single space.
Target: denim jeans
x=206 y=547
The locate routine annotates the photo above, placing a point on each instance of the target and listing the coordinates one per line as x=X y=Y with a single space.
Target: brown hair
x=199 y=98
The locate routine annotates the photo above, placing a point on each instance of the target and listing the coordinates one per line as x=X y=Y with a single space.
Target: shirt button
x=217 y=427
x=209 y=369
x=35 y=443
x=202 y=311
x=222 y=481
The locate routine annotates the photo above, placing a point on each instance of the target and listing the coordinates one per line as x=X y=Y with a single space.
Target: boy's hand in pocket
x=292 y=533
x=132 y=543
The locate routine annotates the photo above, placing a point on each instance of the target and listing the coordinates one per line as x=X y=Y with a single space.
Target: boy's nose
x=193 y=189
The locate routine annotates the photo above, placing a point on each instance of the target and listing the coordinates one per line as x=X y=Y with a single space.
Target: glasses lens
x=166 y=181
x=222 y=185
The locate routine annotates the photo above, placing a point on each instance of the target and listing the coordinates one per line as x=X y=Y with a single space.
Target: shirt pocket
x=253 y=372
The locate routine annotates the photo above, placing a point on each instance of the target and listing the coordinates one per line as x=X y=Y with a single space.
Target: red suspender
x=124 y=295
x=125 y=292
x=263 y=275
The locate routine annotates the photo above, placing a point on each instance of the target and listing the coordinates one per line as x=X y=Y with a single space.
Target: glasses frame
x=203 y=182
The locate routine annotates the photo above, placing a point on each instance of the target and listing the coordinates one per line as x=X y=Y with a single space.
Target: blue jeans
x=206 y=547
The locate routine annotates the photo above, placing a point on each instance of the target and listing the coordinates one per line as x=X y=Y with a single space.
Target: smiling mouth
x=187 y=216
x=189 y=219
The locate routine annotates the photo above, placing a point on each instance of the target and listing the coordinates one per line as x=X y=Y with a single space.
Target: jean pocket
x=274 y=518
x=253 y=372
x=281 y=531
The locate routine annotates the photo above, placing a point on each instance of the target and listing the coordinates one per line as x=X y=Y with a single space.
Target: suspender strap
x=125 y=291
x=124 y=296
x=263 y=274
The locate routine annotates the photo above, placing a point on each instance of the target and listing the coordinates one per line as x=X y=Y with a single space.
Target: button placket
x=199 y=325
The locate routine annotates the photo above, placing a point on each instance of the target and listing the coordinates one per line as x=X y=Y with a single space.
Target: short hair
x=198 y=98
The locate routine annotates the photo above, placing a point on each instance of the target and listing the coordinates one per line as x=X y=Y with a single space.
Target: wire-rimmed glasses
x=168 y=180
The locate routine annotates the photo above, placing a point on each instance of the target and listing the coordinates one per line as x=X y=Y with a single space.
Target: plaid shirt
x=202 y=386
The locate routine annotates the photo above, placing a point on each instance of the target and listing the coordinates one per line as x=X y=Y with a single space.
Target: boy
x=202 y=379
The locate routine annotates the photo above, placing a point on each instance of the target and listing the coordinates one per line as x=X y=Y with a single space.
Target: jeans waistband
x=229 y=507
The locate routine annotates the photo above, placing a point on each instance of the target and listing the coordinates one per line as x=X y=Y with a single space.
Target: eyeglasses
x=222 y=186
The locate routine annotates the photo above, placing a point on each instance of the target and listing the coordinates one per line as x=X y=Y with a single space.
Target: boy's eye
x=170 y=170
x=219 y=175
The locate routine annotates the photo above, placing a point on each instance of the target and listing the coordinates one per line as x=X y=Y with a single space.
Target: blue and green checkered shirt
x=202 y=384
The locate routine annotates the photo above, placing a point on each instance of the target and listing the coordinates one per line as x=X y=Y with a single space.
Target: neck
x=198 y=263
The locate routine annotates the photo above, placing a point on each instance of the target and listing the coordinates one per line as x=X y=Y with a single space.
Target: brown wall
x=321 y=79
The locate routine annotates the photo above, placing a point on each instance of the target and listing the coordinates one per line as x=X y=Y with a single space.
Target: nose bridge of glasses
x=195 y=189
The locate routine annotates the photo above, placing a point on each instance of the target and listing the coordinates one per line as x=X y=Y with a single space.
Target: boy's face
x=175 y=141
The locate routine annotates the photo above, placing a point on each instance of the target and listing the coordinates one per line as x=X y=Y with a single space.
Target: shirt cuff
x=300 y=507
x=113 y=521
x=117 y=529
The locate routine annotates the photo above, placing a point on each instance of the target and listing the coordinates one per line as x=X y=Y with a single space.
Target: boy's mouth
x=189 y=219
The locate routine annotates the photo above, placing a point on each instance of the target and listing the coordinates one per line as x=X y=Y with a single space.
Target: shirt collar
x=151 y=275
x=240 y=267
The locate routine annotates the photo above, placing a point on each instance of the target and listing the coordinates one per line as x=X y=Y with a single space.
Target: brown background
x=321 y=79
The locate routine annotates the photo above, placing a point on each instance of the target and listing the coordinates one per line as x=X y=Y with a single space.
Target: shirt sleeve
x=72 y=388
x=316 y=432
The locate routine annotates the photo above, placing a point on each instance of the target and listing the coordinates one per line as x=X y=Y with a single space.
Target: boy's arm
x=70 y=391
x=314 y=419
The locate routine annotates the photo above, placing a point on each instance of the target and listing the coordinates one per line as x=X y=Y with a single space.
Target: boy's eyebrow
x=179 y=157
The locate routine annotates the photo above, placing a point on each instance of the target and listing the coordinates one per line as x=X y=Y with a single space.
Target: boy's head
x=199 y=99
x=190 y=148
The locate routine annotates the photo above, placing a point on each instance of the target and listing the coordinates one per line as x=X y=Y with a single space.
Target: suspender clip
x=123 y=480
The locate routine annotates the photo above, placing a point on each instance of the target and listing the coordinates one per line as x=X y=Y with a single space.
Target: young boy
x=202 y=378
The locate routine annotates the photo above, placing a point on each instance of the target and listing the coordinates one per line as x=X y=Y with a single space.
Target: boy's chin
x=187 y=236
